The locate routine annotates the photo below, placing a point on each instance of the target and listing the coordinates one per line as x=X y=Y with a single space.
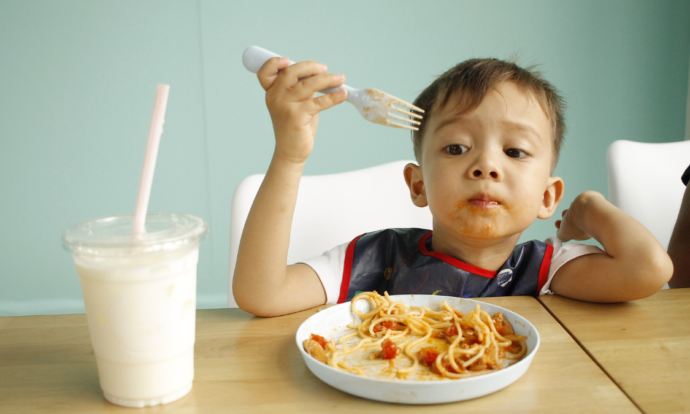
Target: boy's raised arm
x=635 y=264
x=263 y=284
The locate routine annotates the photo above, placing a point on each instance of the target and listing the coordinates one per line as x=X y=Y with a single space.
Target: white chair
x=644 y=181
x=333 y=209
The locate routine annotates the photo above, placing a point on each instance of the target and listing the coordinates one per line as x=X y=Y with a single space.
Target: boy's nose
x=478 y=173
x=486 y=165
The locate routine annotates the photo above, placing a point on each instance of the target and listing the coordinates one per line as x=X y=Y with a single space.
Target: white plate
x=332 y=323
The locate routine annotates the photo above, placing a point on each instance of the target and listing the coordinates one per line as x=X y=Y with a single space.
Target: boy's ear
x=552 y=196
x=415 y=182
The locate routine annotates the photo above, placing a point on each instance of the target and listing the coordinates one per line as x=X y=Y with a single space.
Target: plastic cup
x=140 y=298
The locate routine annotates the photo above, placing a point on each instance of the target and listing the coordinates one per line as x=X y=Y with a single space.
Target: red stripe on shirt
x=452 y=261
x=544 y=269
x=347 y=269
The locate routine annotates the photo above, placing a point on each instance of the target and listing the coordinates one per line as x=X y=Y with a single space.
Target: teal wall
x=78 y=79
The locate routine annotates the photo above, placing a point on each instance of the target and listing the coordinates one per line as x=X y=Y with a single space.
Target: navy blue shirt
x=398 y=261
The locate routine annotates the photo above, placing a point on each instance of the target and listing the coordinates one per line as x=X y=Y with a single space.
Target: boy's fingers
x=558 y=224
x=327 y=101
x=307 y=87
x=292 y=74
x=269 y=71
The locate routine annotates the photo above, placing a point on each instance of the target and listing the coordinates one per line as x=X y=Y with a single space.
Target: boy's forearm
x=623 y=238
x=635 y=265
x=261 y=266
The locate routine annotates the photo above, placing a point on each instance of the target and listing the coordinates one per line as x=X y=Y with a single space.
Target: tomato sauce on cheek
x=477 y=222
x=486 y=223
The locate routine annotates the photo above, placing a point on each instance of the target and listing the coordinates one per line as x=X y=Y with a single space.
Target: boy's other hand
x=569 y=227
x=293 y=105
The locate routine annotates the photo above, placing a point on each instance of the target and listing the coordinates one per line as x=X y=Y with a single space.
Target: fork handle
x=254 y=58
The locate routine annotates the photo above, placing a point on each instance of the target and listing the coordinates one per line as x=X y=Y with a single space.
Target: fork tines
x=410 y=122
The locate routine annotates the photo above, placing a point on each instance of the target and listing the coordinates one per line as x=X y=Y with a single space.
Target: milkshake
x=140 y=298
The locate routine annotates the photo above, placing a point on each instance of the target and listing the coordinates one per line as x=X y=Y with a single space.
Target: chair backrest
x=333 y=209
x=644 y=181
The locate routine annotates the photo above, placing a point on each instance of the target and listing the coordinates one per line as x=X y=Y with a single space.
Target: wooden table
x=644 y=345
x=249 y=364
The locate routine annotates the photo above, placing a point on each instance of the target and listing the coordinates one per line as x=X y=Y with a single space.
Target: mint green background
x=78 y=79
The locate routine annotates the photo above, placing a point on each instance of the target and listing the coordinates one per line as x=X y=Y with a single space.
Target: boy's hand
x=570 y=227
x=293 y=105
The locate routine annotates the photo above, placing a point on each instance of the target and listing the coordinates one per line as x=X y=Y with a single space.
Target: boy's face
x=486 y=174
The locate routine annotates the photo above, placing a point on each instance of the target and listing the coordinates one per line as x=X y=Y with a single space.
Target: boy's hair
x=472 y=79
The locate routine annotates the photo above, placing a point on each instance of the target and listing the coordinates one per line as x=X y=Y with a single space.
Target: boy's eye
x=456 y=149
x=515 y=153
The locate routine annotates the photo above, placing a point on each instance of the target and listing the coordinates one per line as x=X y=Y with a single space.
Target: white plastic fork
x=374 y=105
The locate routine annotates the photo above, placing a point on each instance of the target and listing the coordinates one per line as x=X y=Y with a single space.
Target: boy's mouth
x=484 y=200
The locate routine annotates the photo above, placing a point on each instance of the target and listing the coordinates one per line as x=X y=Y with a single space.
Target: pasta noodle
x=420 y=342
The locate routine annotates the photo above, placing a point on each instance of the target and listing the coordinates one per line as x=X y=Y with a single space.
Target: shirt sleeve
x=562 y=254
x=329 y=267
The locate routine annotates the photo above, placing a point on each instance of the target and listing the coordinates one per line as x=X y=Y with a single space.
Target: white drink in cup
x=140 y=298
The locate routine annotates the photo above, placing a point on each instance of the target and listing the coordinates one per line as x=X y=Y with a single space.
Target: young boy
x=486 y=149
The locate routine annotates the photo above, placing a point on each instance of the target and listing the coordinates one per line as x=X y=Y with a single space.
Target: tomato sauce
x=388 y=325
x=502 y=326
x=389 y=349
x=428 y=355
x=320 y=339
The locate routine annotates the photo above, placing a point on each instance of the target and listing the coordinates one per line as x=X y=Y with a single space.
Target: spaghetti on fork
x=444 y=343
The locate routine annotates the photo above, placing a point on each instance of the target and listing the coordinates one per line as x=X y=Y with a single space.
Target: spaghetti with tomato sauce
x=394 y=340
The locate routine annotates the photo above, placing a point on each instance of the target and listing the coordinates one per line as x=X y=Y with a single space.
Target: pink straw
x=150 y=159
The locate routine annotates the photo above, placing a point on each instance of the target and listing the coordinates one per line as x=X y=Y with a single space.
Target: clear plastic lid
x=114 y=235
